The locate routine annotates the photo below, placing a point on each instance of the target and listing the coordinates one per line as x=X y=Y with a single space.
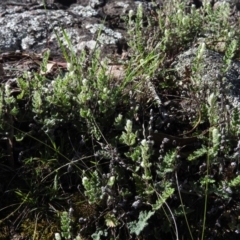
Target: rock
x=27 y=26
x=30 y=25
x=212 y=65
x=119 y=8
x=216 y=3
x=232 y=3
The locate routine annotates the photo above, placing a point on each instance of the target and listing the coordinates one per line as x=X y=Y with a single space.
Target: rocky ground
x=29 y=27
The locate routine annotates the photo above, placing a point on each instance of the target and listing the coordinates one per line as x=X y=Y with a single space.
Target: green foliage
x=198 y=153
x=212 y=109
x=97 y=235
x=215 y=142
x=92 y=187
x=128 y=137
x=229 y=54
x=138 y=226
x=145 y=157
x=168 y=164
x=46 y=56
x=66 y=229
x=164 y=196
x=235 y=121
x=235 y=182
x=65 y=225
x=83 y=131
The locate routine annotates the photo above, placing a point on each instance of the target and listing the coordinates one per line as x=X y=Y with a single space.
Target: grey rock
x=232 y=3
x=28 y=26
x=119 y=8
x=35 y=29
x=212 y=65
x=82 y=11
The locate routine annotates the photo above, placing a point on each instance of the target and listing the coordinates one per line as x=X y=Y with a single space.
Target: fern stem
x=206 y=194
x=184 y=213
x=172 y=215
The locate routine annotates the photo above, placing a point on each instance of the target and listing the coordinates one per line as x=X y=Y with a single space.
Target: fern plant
x=138 y=226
